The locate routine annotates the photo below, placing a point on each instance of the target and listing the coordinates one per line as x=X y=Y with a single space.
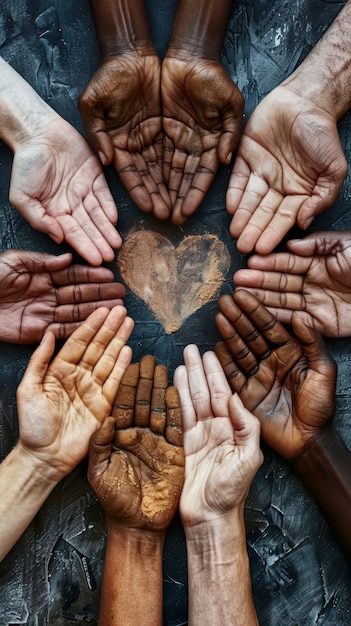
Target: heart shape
x=173 y=282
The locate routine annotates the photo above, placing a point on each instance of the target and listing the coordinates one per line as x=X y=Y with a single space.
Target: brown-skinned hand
x=136 y=460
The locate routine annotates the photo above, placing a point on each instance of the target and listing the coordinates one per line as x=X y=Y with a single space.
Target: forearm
x=325 y=468
x=199 y=29
x=23 y=488
x=22 y=111
x=325 y=75
x=121 y=26
x=132 y=582
x=219 y=576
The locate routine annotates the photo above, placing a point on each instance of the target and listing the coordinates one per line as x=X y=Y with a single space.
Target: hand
x=315 y=277
x=136 y=461
x=221 y=441
x=201 y=116
x=57 y=184
x=287 y=381
x=41 y=292
x=289 y=168
x=121 y=112
x=60 y=404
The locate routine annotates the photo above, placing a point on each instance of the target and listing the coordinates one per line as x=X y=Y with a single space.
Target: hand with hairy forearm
x=290 y=163
x=222 y=455
x=41 y=292
x=60 y=404
x=288 y=382
x=120 y=106
x=57 y=183
x=201 y=106
x=136 y=468
x=314 y=277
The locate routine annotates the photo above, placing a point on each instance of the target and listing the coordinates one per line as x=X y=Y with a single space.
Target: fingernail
x=102 y=157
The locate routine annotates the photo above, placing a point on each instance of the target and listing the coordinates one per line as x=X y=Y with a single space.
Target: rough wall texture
x=52 y=576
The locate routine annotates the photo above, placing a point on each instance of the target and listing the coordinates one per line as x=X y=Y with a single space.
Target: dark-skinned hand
x=121 y=112
x=201 y=116
x=287 y=381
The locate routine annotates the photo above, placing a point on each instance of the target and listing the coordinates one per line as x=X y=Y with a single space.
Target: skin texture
x=290 y=164
x=61 y=401
x=41 y=292
x=313 y=276
x=288 y=382
x=136 y=468
x=222 y=455
x=121 y=108
x=57 y=183
x=201 y=106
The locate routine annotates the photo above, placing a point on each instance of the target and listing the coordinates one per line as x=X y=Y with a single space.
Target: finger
x=240 y=352
x=100 y=447
x=124 y=405
x=38 y=364
x=282 y=262
x=318 y=357
x=239 y=326
x=176 y=174
x=247 y=431
x=279 y=300
x=158 y=400
x=202 y=180
x=237 y=184
x=282 y=221
x=270 y=328
x=269 y=281
x=99 y=228
x=86 y=293
x=219 y=388
x=236 y=378
x=144 y=391
x=80 y=235
x=320 y=243
x=106 y=201
x=260 y=219
x=151 y=176
x=253 y=194
x=186 y=186
x=79 y=274
x=173 y=432
x=104 y=335
x=167 y=157
x=73 y=350
x=181 y=383
x=132 y=180
x=43 y=262
x=198 y=386
x=106 y=369
x=113 y=381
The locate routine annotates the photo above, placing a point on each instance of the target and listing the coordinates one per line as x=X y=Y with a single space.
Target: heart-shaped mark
x=173 y=282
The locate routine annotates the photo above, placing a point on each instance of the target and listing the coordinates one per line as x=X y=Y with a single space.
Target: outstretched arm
x=288 y=381
x=222 y=455
x=314 y=276
x=41 y=292
x=290 y=164
x=201 y=106
x=136 y=468
x=57 y=183
x=121 y=107
x=60 y=404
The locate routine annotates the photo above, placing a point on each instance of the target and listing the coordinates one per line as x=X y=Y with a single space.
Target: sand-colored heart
x=173 y=282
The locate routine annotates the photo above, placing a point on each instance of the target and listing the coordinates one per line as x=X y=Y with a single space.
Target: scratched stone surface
x=53 y=574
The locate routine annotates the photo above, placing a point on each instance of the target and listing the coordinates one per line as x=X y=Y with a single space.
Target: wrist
x=122 y=27
x=23 y=113
x=199 y=30
x=145 y=543
x=215 y=537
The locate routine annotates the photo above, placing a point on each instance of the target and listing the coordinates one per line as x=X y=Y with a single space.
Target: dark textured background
x=52 y=576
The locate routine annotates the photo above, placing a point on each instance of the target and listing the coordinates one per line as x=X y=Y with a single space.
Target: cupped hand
x=221 y=441
x=289 y=167
x=121 y=113
x=62 y=402
x=41 y=292
x=287 y=381
x=136 y=460
x=57 y=184
x=201 y=116
x=314 y=277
